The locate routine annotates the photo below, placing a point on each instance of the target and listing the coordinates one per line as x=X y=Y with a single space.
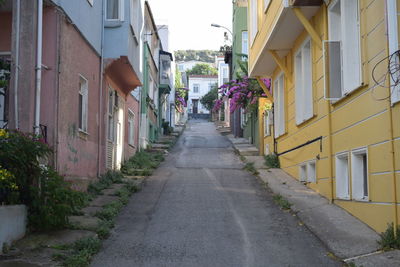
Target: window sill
x=113 y=23
x=306 y=121
x=349 y=94
x=83 y=134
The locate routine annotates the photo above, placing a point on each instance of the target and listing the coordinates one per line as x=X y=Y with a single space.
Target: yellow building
x=336 y=115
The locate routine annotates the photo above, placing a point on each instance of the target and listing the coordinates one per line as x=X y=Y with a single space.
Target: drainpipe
x=101 y=119
x=38 y=65
x=17 y=26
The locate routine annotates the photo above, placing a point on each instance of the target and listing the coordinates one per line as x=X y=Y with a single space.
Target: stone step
x=103 y=200
x=85 y=222
x=246 y=150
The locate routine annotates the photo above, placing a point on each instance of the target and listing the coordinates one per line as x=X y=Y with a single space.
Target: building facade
x=199 y=85
x=335 y=120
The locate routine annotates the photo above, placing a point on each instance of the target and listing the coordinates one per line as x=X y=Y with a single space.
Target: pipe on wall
x=17 y=26
x=100 y=116
x=38 y=68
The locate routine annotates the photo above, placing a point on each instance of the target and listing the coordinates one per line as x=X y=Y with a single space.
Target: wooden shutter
x=308 y=110
x=333 y=70
x=299 y=103
x=392 y=26
x=342 y=176
x=351 y=45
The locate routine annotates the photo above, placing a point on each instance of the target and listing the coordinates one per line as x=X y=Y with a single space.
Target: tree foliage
x=200 y=55
x=209 y=99
x=202 y=69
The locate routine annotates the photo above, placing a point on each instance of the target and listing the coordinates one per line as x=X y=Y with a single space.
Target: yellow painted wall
x=363 y=118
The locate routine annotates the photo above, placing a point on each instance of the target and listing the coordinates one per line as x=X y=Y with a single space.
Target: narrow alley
x=201 y=209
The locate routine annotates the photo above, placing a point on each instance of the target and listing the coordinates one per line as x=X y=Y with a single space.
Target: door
x=195 y=106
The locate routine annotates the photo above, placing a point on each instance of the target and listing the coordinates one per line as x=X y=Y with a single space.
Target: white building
x=223 y=77
x=199 y=85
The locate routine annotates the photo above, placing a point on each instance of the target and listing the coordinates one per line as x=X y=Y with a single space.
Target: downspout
x=18 y=14
x=101 y=119
x=38 y=65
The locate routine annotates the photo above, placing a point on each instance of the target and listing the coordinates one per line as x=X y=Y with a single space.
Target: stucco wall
x=13 y=224
x=77 y=152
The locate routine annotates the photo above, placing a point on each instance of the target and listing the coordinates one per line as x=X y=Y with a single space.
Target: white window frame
x=357 y=175
x=308 y=172
x=245 y=43
x=342 y=169
x=111 y=120
x=393 y=40
x=253 y=20
x=131 y=128
x=267 y=122
x=279 y=106
x=266 y=5
x=196 y=86
x=349 y=37
x=120 y=11
x=84 y=92
x=304 y=99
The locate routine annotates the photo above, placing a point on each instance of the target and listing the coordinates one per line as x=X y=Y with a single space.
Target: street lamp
x=219 y=26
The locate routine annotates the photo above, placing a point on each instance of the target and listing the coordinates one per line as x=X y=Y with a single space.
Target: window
x=308 y=172
x=342 y=176
x=111 y=108
x=151 y=87
x=279 y=106
x=266 y=4
x=393 y=19
x=359 y=174
x=131 y=128
x=114 y=10
x=83 y=104
x=136 y=16
x=253 y=20
x=196 y=88
x=344 y=44
x=303 y=83
x=242 y=118
x=267 y=122
x=245 y=43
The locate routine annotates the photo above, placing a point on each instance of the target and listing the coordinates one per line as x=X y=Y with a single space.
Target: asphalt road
x=201 y=209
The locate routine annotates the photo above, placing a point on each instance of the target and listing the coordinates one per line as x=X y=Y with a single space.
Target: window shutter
x=333 y=70
x=393 y=42
x=307 y=85
x=342 y=177
x=85 y=106
x=351 y=45
x=281 y=106
x=276 y=109
x=299 y=88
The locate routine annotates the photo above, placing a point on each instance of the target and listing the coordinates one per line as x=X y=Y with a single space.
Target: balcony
x=165 y=72
x=283 y=23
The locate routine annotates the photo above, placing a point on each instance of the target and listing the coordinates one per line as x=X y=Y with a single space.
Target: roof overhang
x=122 y=74
x=281 y=38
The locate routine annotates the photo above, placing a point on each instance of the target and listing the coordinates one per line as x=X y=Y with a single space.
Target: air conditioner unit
x=298 y=3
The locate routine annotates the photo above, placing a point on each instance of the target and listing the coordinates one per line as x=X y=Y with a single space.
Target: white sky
x=190 y=21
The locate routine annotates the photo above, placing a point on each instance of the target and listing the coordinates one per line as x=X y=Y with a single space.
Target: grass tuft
x=282 y=202
x=390 y=239
x=249 y=166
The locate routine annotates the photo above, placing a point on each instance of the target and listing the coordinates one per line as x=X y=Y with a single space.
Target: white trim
x=393 y=41
x=253 y=20
x=120 y=11
x=266 y=4
x=357 y=192
x=85 y=104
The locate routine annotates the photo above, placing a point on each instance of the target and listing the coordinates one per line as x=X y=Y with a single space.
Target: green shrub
x=82 y=252
x=142 y=160
x=53 y=202
x=105 y=181
x=272 y=161
x=249 y=166
x=390 y=238
x=49 y=199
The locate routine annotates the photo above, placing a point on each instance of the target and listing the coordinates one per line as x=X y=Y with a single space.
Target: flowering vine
x=181 y=95
x=243 y=92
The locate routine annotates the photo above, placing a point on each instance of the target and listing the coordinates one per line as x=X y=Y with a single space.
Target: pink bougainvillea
x=243 y=93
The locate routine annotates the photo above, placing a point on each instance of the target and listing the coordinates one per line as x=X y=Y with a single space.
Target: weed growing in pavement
x=105 y=181
x=390 y=238
x=242 y=158
x=352 y=264
x=142 y=163
x=82 y=252
x=272 y=161
x=282 y=202
x=250 y=168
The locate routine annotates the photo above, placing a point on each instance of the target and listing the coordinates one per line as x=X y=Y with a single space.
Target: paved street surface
x=201 y=209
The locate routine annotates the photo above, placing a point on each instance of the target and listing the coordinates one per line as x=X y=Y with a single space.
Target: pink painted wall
x=48 y=110
x=133 y=105
x=77 y=153
x=5 y=31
